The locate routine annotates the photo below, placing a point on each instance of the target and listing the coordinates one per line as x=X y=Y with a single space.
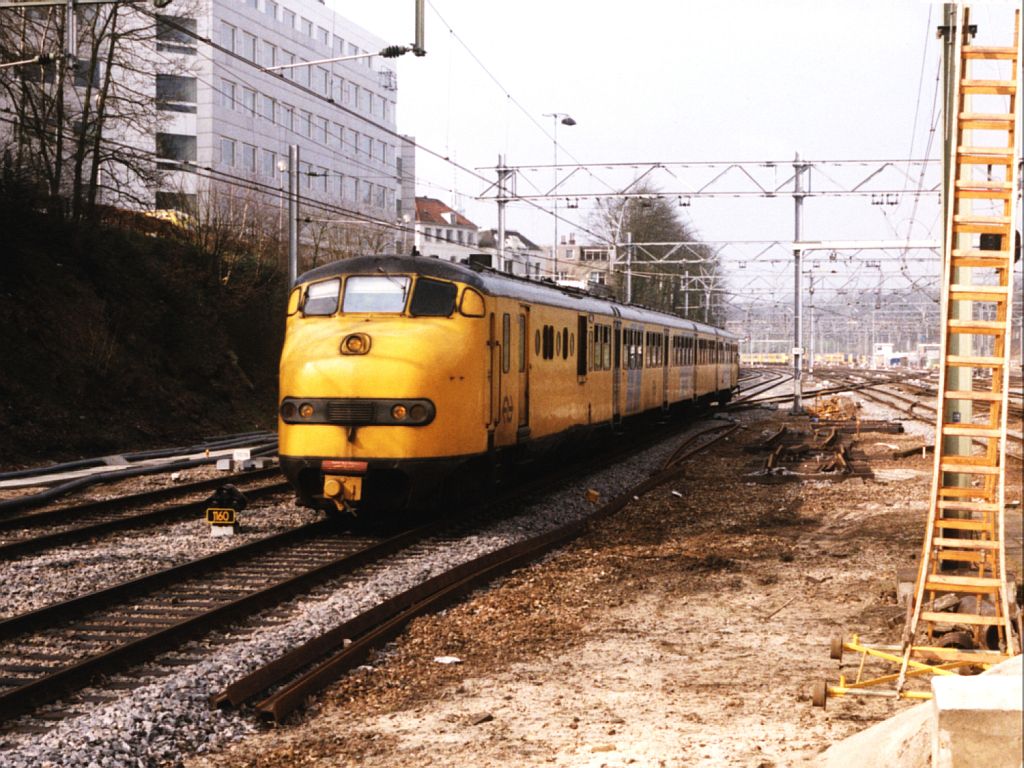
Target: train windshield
x=383 y=293
x=322 y=298
x=432 y=298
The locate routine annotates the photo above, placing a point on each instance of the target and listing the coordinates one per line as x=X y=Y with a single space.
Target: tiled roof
x=431 y=211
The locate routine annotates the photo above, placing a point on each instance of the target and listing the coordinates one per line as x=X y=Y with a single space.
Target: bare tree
x=675 y=275
x=72 y=122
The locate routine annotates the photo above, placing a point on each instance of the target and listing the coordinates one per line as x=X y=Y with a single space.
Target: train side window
x=472 y=304
x=506 y=342
x=558 y=344
x=606 y=347
x=536 y=342
x=522 y=343
x=572 y=343
x=322 y=298
x=617 y=362
x=581 y=361
x=565 y=343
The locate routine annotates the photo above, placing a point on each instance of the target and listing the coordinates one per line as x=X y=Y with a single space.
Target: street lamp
x=565 y=120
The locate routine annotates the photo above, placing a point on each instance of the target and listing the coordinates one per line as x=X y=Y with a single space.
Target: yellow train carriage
x=401 y=373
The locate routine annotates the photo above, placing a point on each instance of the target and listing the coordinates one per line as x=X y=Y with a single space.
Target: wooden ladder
x=964 y=552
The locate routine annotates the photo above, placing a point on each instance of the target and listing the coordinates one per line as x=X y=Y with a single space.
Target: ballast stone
x=977 y=721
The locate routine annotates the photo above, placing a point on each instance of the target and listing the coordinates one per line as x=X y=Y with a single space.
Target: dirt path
x=685 y=631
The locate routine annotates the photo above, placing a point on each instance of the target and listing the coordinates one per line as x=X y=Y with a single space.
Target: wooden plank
x=962 y=525
x=969 y=430
x=986 y=122
x=971 y=394
x=974 y=362
x=942 y=617
x=969 y=506
x=977 y=326
x=988 y=87
x=968 y=469
x=989 y=52
x=938 y=541
x=944 y=580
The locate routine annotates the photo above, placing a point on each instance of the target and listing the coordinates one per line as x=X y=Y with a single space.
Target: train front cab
x=382 y=385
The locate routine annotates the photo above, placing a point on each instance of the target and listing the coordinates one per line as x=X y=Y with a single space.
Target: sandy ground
x=685 y=631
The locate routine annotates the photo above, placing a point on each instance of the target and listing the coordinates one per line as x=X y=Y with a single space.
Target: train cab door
x=522 y=361
x=616 y=371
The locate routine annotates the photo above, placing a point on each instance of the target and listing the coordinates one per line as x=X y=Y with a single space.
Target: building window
x=268 y=163
x=249 y=100
x=172 y=149
x=322 y=131
x=269 y=58
x=227 y=94
x=270 y=8
x=322 y=175
x=267 y=107
x=228 y=35
x=227 y=152
x=172 y=34
x=249 y=47
x=367 y=193
x=306 y=27
x=324 y=36
x=175 y=201
x=248 y=158
x=288 y=116
x=175 y=93
x=596 y=277
x=253 y=4
x=323 y=81
x=288 y=18
x=339 y=46
x=288 y=58
x=306 y=123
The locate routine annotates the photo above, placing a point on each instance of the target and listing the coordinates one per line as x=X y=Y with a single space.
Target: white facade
x=221 y=112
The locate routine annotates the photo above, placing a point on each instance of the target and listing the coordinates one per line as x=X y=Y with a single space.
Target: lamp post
x=565 y=120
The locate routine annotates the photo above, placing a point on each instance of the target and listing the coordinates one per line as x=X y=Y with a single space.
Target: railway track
x=292 y=678
x=57 y=651
x=33 y=532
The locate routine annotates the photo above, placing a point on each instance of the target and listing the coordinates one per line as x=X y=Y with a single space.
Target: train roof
x=496 y=283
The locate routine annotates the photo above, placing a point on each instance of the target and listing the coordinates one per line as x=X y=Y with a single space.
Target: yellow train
x=400 y=375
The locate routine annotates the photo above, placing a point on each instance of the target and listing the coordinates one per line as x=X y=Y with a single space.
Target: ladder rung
x=969 y=506
x=959 y=556
x=938 y=541
x=992 y=290
x=977 y=326
x=957 y=581
x=974 y=362
x=986 y=122
x=977 y=258
x=955 y=492
x=962 y=525
x=989 y=87
x=989 y=52
x=941 y=617
x=985 y=224
x=983 y=156
x=970 y=430
x=971 y=394
x=969 y=469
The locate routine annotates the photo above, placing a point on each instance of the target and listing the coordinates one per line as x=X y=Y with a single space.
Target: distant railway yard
x=661 y=601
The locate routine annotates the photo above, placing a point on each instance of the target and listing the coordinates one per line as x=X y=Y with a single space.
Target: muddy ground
x=685 y=631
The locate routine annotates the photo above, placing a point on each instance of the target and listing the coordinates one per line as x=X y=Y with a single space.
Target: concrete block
x=224 y=465
x=241 y=454
x=976 y=721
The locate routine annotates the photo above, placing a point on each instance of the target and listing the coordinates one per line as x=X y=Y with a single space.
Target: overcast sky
x=656 y=81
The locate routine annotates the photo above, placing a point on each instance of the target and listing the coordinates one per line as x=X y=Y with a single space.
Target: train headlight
x=305 y=410
x=418 y=413
x=288 y=411
x=355 y=344
x=399 y=412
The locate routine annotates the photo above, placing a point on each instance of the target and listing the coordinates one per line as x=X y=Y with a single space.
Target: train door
x=506 y=398
x=523 y=363
x=616 y=369
x=493 y=379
